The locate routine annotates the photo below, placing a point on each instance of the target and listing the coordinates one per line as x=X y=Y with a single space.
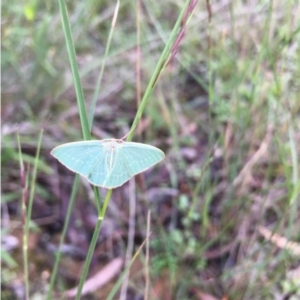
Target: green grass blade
x=158 y=70
x=75 y=72
x=96 y=93
x=294 y=156
x=33 y=179
x=62 y=237
x=27 y=215
x=8 y=259
x=24 y=184
x=119 y=282
x=93 y=245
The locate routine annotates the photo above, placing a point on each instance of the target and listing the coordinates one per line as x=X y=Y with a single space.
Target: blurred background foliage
x=226 y=112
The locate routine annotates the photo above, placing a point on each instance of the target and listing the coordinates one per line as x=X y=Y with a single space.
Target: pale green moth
x=107 y=163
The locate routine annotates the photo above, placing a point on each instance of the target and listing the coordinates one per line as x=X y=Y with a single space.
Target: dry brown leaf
x=204 y=296
x=246 y=172
x=279 y=241
x=99 y=279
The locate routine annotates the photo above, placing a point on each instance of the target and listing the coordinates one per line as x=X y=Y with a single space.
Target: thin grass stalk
x=294 y=156
x=117 y=285
x=29 y=211
x=98 y=85
x=204 y=213
x=62 y=237
x=32 y=185
x=263 y=51
x=158 y=71
x=196 y=190
x=93 y=244
x=210 y=66
x=294 y=196
x=130 y=239
x=24 y=184
x=25 y=240
x=138 y=54
x=147 y=277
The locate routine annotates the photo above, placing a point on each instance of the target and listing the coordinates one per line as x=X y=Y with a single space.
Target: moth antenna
x=125 y=136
